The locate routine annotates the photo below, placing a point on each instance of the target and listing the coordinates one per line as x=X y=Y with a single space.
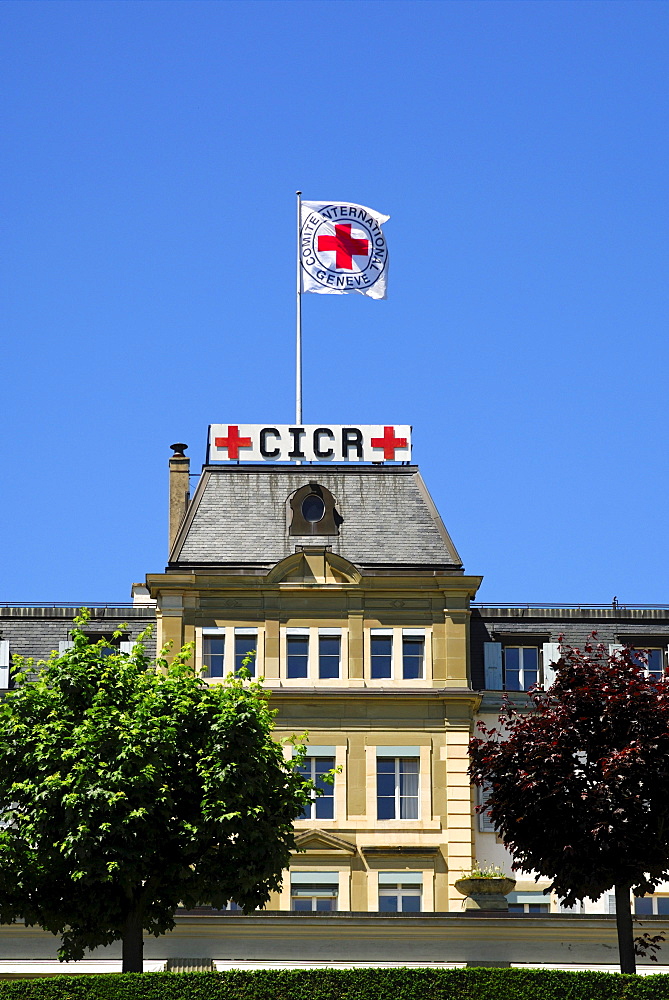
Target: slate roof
x=239 y=516
x=36 y=631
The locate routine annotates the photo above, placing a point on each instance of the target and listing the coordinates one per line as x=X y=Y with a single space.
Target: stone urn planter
x=485 y=893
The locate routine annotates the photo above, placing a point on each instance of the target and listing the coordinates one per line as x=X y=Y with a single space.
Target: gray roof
x=239 y=515
x=36 y=631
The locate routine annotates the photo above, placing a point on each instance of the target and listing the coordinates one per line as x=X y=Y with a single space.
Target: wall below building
x=294 y=940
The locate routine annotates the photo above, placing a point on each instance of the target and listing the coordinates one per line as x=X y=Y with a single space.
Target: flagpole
x=298 y=329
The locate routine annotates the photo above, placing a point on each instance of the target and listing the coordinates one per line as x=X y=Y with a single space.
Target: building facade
x=345 y=583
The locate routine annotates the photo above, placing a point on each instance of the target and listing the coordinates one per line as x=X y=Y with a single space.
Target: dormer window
x=313 y=511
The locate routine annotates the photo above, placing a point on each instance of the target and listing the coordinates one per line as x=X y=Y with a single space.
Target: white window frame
x=313 y=633
x=521 y=670
x=663 y=658
x=240 y=630
x=397 y=635
x=401 y=884
x=329 y=633
x=405 y=753
x=382 y=633
x=210 y=633
x=313 y=754
x=426 y=818
x=339 y=752
x=414 y=633
x=4 y=664
x=228 y=633
x=314 y=899
x=339 y=876
x=378 y=879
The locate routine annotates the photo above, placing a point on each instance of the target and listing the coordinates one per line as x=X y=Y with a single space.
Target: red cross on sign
x=344 y=246
x=233 y=442
x=389 y=443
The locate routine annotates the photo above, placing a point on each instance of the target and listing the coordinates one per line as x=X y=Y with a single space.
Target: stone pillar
x=355 y=645
x=459 y=808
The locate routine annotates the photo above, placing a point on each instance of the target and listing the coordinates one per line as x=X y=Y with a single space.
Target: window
x=313 y=508
x=528 y=902
x=529 y=908
x=246 y=641
x=397 y=787
x=315 y=653
x=651 y=905
x=225 y=648
x=112 y=645
x=213 y=655
x=314 y=891
x=400 y=892
x=652 y=660
x=321 y=806
x=576 y=908
x=521 y=667
x=297 y=656
x=381 y=644
x=413 y=654
x=329 y=656
x=385 y=647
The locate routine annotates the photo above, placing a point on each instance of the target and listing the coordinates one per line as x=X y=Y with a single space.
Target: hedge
x=345 y=984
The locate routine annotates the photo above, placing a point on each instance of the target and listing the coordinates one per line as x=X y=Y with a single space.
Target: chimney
x=179 y=489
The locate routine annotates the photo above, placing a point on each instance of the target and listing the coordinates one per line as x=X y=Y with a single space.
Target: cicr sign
x=309 y=443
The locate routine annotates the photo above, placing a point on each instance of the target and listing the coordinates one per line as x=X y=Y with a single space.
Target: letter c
x=264 y=450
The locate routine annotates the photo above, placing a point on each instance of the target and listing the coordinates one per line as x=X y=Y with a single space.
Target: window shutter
x=126 y=647
x=486 y=825
x=314 y=878
x=4 y=664
x=492 y=661
x=400 y=878
x=65 y=644
x=551 y=651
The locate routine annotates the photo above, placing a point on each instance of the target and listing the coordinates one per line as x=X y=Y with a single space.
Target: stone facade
x=368 y=638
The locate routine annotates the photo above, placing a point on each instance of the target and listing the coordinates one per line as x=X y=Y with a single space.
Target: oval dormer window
x=313 y=508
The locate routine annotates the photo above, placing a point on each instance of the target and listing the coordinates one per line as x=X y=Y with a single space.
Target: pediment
x=314 y=565
x=320 y=842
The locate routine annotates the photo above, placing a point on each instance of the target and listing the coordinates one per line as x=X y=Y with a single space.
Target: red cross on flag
x=343 y=249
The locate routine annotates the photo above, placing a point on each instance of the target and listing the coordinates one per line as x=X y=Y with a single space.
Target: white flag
x=343 y=249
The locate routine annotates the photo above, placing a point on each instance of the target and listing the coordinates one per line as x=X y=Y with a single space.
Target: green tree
x=130 y=786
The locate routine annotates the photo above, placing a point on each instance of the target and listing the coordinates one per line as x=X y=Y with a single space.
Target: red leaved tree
x=579 y=786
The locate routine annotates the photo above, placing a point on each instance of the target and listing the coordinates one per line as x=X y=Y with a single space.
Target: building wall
x=357 y=714
x=532 y=626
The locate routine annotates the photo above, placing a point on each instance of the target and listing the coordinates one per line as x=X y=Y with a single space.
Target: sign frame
x=320 y=443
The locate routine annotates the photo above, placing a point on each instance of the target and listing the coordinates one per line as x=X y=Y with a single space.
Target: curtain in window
x=408 y=788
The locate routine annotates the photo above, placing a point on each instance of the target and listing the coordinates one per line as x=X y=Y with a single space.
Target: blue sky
x=151 y=152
